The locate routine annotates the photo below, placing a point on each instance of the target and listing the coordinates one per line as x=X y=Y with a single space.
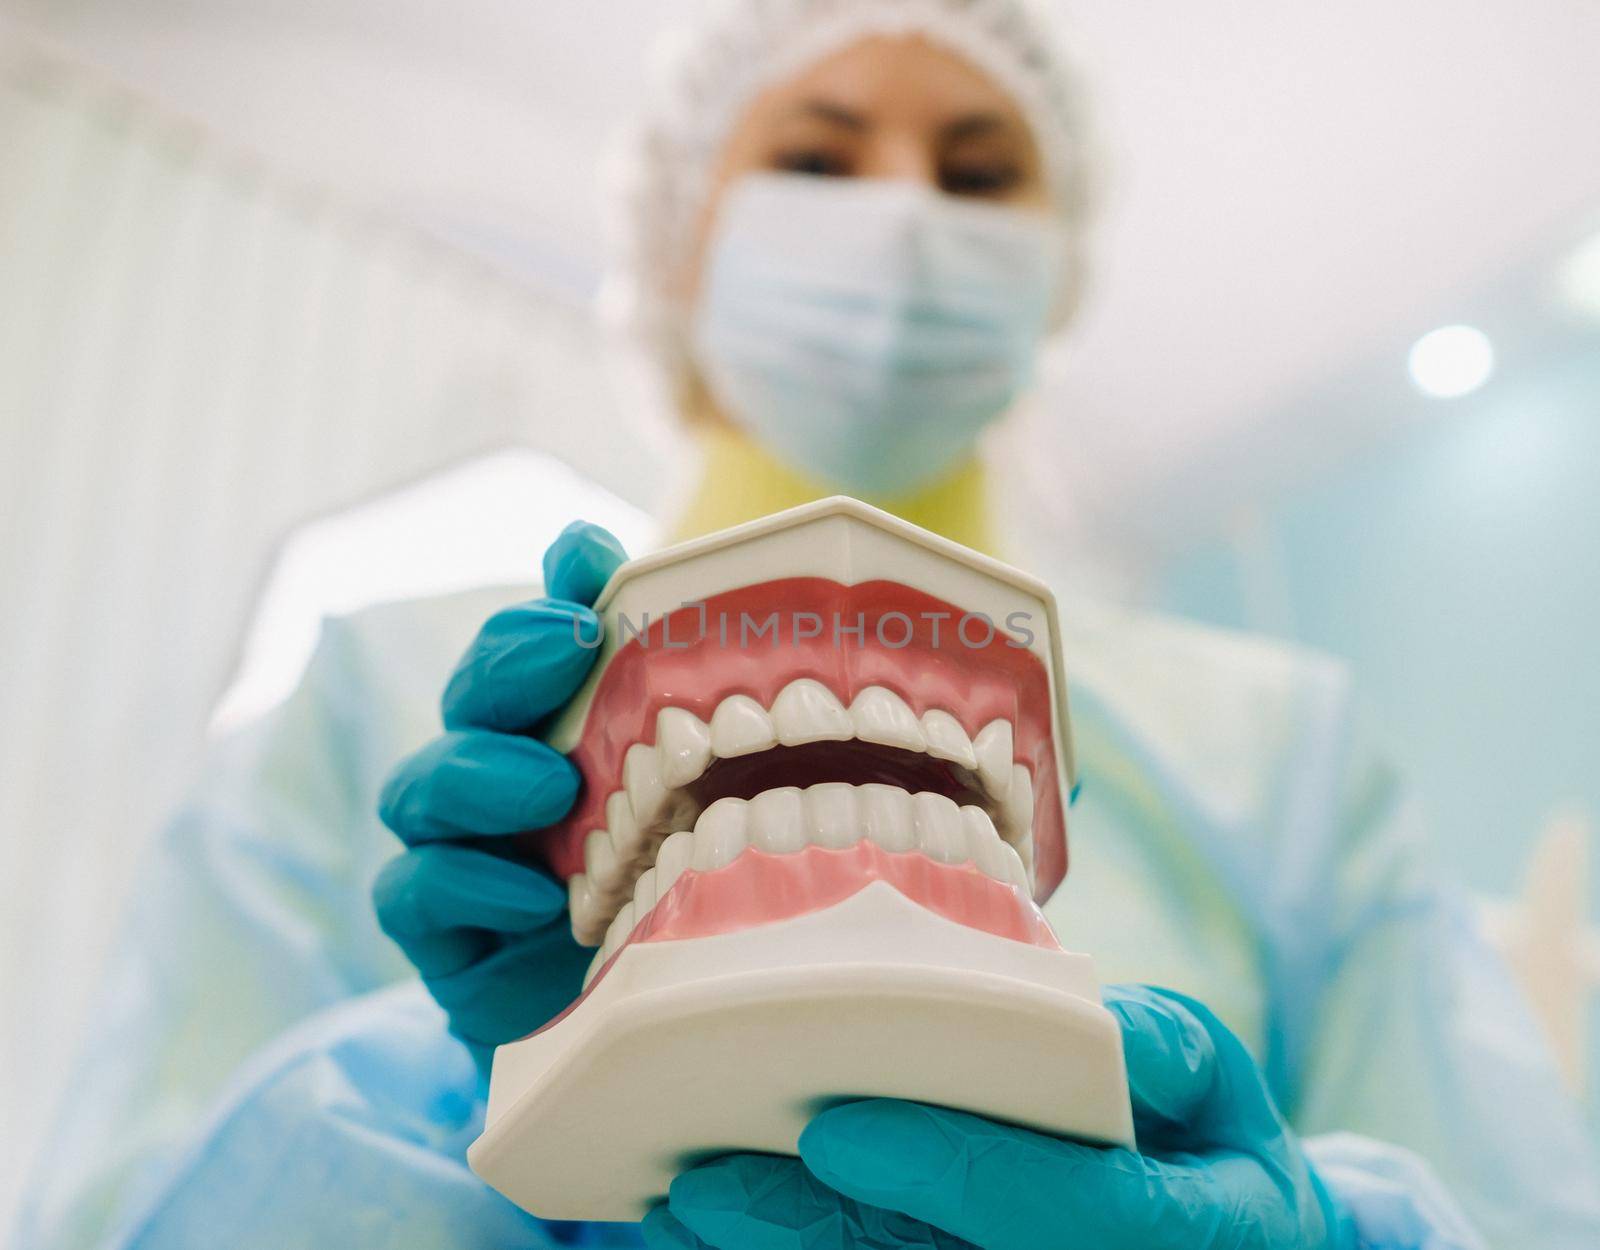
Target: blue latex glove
x=1217 y=1167
x=488 y=931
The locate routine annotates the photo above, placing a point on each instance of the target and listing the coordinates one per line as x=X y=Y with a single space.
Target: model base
x=687 y=1049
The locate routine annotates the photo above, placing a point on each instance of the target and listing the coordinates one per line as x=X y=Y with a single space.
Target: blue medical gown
x=264 y=1070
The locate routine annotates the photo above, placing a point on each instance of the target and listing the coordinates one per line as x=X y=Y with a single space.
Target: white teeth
x=938 y=825
x=627 y=838
x=1018 y=873
x=885 y=813
x=627 y=865
x=599 y=858
x=994 y=751
x=589 y=925
x=644 y=892
x=683 y=746
x=1016 y=817
x=882 y=716
x=1021 y=799
x=671 y=860
x=807 y=711
x=618 y=932
x=775 y=821
x=978 y=831
x=641 y=778
x=601 y=868
x=831 y=818
x=741 y=726
x=988 y=852
x=719 y=835
x=946 y=739
x=579 y=894
x=588 y=921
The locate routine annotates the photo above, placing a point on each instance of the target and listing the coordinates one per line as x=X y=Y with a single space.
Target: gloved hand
x=1216 y=1167
x=487 y=930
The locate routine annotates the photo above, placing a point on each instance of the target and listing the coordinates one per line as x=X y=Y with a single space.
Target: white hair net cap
x=705 y=78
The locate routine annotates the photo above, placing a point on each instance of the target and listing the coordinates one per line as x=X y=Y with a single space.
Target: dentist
x=852 y=224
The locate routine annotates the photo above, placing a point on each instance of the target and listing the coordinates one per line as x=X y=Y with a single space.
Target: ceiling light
x=1451 y=361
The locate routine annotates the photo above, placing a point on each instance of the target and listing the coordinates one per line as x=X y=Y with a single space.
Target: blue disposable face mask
x=866 y=330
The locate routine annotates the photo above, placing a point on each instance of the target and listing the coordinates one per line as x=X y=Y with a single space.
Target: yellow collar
x=740 y=481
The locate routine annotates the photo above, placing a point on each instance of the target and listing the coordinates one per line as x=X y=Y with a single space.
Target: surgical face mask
x=866 y=330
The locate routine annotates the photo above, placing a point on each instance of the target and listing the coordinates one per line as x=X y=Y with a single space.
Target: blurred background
x=295 y=316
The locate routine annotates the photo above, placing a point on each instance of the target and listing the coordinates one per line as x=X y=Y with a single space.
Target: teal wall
x=1458 y=568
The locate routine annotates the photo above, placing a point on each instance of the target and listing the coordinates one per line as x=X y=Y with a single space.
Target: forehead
x=908 y=76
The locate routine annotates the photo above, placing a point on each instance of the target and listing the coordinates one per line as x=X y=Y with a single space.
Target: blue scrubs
x=265 y=1069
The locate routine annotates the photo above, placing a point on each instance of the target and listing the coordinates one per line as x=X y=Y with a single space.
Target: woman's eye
x=985 y=179
x=813 y=161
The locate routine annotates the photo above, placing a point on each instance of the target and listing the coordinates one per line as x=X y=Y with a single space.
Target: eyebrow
x=972 y=126
x=976 y=126
x=835 y=114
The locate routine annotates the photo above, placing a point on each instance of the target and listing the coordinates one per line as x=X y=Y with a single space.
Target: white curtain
x=194 y=356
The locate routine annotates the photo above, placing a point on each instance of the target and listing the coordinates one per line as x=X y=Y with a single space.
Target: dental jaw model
x=826 y=762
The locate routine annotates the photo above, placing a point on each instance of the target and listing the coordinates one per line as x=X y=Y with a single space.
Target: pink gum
x=760 y=888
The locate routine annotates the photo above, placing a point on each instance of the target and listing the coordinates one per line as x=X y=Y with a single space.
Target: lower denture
x=760 y=887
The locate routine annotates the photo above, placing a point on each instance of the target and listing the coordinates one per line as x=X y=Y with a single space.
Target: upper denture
x=685 y=708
